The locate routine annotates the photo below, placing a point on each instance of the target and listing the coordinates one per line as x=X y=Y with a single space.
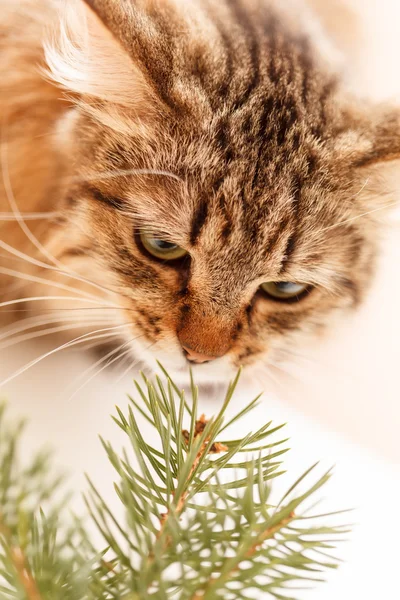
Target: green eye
x=160 y=248
x=284 y=290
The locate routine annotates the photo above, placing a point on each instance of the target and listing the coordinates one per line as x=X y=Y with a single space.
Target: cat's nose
x=197 y=357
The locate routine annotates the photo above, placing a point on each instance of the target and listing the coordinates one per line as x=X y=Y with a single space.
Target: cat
x=194 y=179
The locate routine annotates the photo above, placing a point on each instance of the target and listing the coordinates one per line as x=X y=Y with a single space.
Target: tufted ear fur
x=370 y=148
x=384 y=133
x=379 y=165
x=87 y=60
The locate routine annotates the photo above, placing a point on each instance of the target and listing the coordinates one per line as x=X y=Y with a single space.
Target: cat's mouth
x=174 y=360
x=209 y=374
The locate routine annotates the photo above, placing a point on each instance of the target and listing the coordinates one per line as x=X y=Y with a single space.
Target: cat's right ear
x=86 y=59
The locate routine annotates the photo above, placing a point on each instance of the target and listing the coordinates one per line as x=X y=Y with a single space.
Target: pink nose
x=196 y=357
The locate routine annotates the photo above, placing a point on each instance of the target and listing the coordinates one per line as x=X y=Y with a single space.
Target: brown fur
x=261 y=164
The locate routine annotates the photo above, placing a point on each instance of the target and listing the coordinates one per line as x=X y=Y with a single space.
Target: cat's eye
x=285 y=290
x=160 y=248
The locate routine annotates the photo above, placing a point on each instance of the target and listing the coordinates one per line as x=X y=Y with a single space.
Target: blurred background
x=343 y=406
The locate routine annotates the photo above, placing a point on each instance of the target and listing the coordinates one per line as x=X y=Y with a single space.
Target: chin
x=219 y=372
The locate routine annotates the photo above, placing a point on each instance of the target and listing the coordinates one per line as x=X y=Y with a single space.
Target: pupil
x=287 y=286
x=162 y=245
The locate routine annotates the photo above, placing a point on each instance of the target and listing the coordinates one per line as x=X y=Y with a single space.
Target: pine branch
x=199 y=521
x=18 y=561
x=217 y=583
x=27 y=581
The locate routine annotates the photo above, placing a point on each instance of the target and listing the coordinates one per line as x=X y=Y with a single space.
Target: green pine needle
x=199 y=522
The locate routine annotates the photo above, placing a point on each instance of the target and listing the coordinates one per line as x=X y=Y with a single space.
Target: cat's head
x=224 y=185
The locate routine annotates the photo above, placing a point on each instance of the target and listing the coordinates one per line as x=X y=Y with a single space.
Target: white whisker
x=29 y=216
x=291 y=354
x=43 y=281
x=42 y=298
x=370 y=212
x=47 y=319
x=78 y=277
x=129 y=368
x=64 y=309
x=133 y=364
x=13 y=203
x=261 y=374
x=43 y=265
x=362 y=188
x=24 y=257
x=272 y=377
x=124 y=361
x=45 y=332
x=100 y=362
x=125 y=173
x=88 y=347
x=86 y=337
x=60 y=268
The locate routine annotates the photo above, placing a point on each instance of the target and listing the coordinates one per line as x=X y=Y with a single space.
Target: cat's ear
x=383 y=133
x=370 y=149
x=86 y=59
x=371 y=140
x=379 y=165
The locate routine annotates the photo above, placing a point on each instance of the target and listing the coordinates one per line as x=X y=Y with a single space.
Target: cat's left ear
x=383 y=134
x=88 y=60
x=370 y=137
x=370 y=148
x=379 y=165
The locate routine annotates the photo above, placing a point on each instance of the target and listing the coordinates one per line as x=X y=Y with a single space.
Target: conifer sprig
x=199 y=520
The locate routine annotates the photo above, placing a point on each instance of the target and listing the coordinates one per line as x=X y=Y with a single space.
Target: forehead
x=251 y=207
x=256 y=232
x=282 y=231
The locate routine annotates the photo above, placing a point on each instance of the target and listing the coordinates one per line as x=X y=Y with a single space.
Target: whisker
x=13 y=203
x=64 y=309
x=130 y=367
x=291 y=354
x=88 y=347
x=43 y=265
x=86 y=337
x=133 y=364
x=78 y=277
x=124 y=173
x=282 y=369
x=53 y=298
x=100 y=362
x=29 y=216
x=40 y=320
x=24 y=257
x=313 y=362
x=260 y=375
x=45 y=332
x=124 y=361
x=272 y=377
x=32 y=238
x=9 y=258
x=362 y=188
x=370 y=212
x=41 y=280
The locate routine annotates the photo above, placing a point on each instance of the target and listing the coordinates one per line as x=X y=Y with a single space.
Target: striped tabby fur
x=224 y=126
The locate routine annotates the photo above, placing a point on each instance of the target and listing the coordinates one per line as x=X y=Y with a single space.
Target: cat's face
x=226 y=219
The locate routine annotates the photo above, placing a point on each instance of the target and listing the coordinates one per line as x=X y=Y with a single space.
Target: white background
x=345 y=411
